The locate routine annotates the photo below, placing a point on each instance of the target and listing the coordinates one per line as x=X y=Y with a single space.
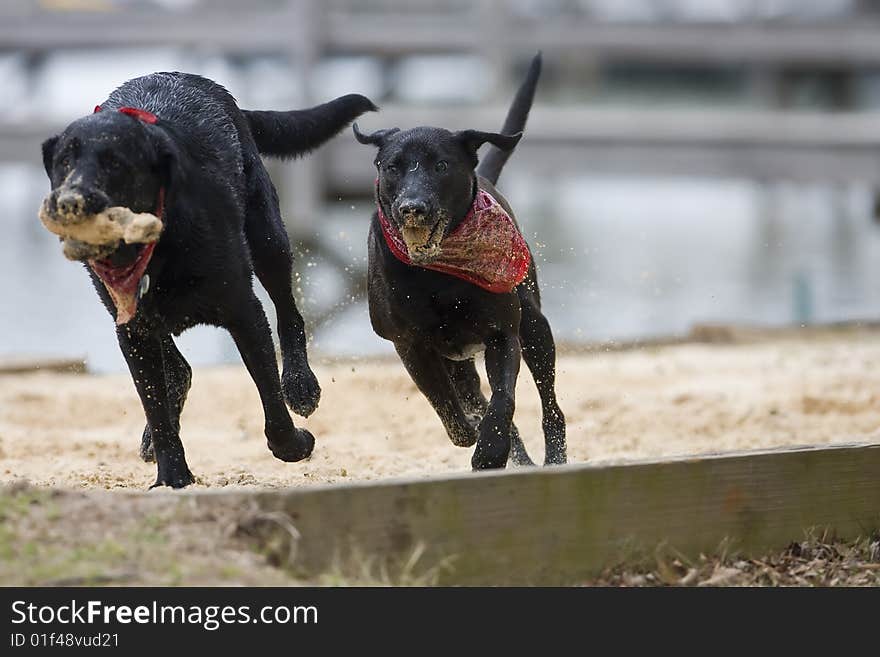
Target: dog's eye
x=110 y=162
x=441 y=166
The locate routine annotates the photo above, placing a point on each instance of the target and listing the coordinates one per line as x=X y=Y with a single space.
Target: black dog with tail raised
x=451 y=275
x=177 y=147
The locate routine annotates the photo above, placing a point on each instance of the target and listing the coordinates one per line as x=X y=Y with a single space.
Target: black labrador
x=439 y=235
x=177 y=146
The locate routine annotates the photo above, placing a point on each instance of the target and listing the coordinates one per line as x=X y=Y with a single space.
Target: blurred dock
x=761 y=141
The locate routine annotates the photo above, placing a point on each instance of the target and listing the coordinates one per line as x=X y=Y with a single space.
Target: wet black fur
x=222 y=225
x=433 y=319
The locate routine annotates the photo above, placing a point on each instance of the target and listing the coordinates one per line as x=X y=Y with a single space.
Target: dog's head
x=110 y=159
x=426 y=180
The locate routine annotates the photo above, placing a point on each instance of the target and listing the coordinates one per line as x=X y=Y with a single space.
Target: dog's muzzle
x=97 y=239
x=423 y=235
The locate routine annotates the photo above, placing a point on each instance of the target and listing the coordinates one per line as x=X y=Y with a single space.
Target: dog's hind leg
x=467 y=383
x=144 y=354
x=539 y=353
x=431 y=377
x=250 y=330
x=273 y=264
x=178 y=376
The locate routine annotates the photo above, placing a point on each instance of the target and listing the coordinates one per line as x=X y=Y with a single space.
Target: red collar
x=485 y=249
x=141 y=115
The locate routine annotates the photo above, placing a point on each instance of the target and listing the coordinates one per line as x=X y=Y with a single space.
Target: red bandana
x=485 y=249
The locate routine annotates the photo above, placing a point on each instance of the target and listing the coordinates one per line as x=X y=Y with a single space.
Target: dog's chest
x=415 y=305
x=454 y=324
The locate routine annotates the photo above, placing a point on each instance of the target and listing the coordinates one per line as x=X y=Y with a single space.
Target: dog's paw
x=295 y=445
x=175 y=474
x=146 y=451
x=171 y=467
x=464 y=435
x=489 y=456
x=301 y=390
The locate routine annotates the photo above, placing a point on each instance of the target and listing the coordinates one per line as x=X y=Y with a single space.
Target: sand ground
x=82 y=431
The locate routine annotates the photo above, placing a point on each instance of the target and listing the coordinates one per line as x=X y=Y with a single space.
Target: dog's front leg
x=178 y=377
x=431 y=377
x=144 y=355
x=502 y=368
x=250 y=330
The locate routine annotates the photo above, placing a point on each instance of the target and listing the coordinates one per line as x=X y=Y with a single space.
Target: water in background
x=617 y=258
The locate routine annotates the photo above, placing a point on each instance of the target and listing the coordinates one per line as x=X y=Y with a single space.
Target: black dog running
x=450 y=275
x=178 y=147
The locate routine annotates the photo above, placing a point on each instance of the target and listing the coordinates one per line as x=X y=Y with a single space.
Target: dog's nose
x=409 y=207
x=76 y=201
x=70 y=202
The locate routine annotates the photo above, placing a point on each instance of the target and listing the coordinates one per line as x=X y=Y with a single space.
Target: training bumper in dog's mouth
x=423 y=242
x=95 y=238
x=485 y=249
x=103 y=230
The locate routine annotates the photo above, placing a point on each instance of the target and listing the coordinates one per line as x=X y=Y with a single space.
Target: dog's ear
x=473 y=139
x=376 y=139
x=49 y=153
x=168 y=157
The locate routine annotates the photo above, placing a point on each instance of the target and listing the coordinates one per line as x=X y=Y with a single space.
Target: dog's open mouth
x=117 y=243
x=124 y=281
x=423 y=242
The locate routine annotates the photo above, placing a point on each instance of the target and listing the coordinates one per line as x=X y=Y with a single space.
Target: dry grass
x=54 y=538
x=64 y=538
x=817 y=560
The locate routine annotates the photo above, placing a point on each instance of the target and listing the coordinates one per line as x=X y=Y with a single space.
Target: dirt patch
x=71 y=436
x=83 y=432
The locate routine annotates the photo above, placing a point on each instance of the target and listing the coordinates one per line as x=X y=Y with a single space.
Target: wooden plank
x=24 y=364
x=558 y=525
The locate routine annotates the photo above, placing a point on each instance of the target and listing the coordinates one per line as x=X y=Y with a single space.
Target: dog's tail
x=490 y=166
x=296 y=132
